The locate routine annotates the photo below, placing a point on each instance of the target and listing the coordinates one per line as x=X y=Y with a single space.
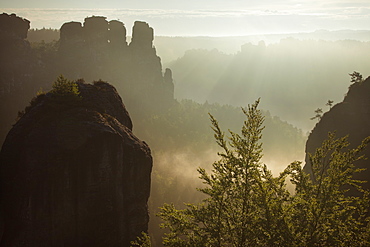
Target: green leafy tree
x=65 y=88
x=143 y=241
x=247 y=206
x=323 y=210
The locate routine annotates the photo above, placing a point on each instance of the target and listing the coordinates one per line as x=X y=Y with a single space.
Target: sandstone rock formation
x=142 y=35
x=98 y=49
x=12 y=25
x=350 y=117
x=73 y=173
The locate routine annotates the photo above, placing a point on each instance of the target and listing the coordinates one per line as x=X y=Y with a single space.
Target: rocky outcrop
x=98 y=49
x=142 y=35
x=95 y=49
x=168 y=82
x=117 y=34
x=15 y=52
x=71 y=34
x=96 y=32
x=73 y=173
x=12 y=25
x=350 y=117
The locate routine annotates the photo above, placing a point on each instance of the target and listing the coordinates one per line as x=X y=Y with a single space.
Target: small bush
x=63 y=87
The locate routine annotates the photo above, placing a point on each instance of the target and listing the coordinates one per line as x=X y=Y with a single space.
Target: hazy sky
x=202 y=17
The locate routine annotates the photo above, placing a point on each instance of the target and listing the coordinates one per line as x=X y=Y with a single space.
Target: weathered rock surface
x=73 y=173
x=350 y=117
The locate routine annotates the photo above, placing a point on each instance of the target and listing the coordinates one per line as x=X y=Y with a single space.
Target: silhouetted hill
x=73 y=173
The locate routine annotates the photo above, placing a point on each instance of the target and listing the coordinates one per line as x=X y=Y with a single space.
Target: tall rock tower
x=98 y=49
x=73 y=173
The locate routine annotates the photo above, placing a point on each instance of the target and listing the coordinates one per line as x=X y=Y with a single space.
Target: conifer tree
x=247 y=206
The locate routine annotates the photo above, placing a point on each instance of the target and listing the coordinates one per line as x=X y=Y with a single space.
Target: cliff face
x=350 y=117
x=73 y=174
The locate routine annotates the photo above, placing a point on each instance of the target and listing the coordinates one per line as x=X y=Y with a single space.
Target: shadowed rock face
x=117 y=33
x=71 y=33
x=16 y=69
x=142 y=35
x=12 y=25
x=15 y=53
x=350 y=117
x=73 y=173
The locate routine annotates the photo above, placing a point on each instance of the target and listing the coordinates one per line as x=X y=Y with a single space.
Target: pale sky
x=202 y=17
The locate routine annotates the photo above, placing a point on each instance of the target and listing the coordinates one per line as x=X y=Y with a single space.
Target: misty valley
x=143 y=140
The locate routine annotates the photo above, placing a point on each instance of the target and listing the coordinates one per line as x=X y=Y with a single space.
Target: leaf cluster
x=63 y=88
x=247 y=206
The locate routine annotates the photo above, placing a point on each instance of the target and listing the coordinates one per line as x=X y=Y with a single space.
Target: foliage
x=356 y=77
x=247 y=206
x=143 y=241
x=330 y=103
x=46 y=35
x=65 y=88
x=181 y=140
x=186 y=124
x=323 y=212
x=318 y=114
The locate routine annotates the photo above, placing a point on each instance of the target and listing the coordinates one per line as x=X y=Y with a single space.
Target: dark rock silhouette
x=15 y=52
x=350 y=117
x=142 y=35
x=16 y=68
x=168 y=81
x=12 y=25
x=117 y=34
x=73 y=174
x=71 y=34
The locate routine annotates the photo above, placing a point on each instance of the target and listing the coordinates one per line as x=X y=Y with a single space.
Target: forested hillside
x=293 y=77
